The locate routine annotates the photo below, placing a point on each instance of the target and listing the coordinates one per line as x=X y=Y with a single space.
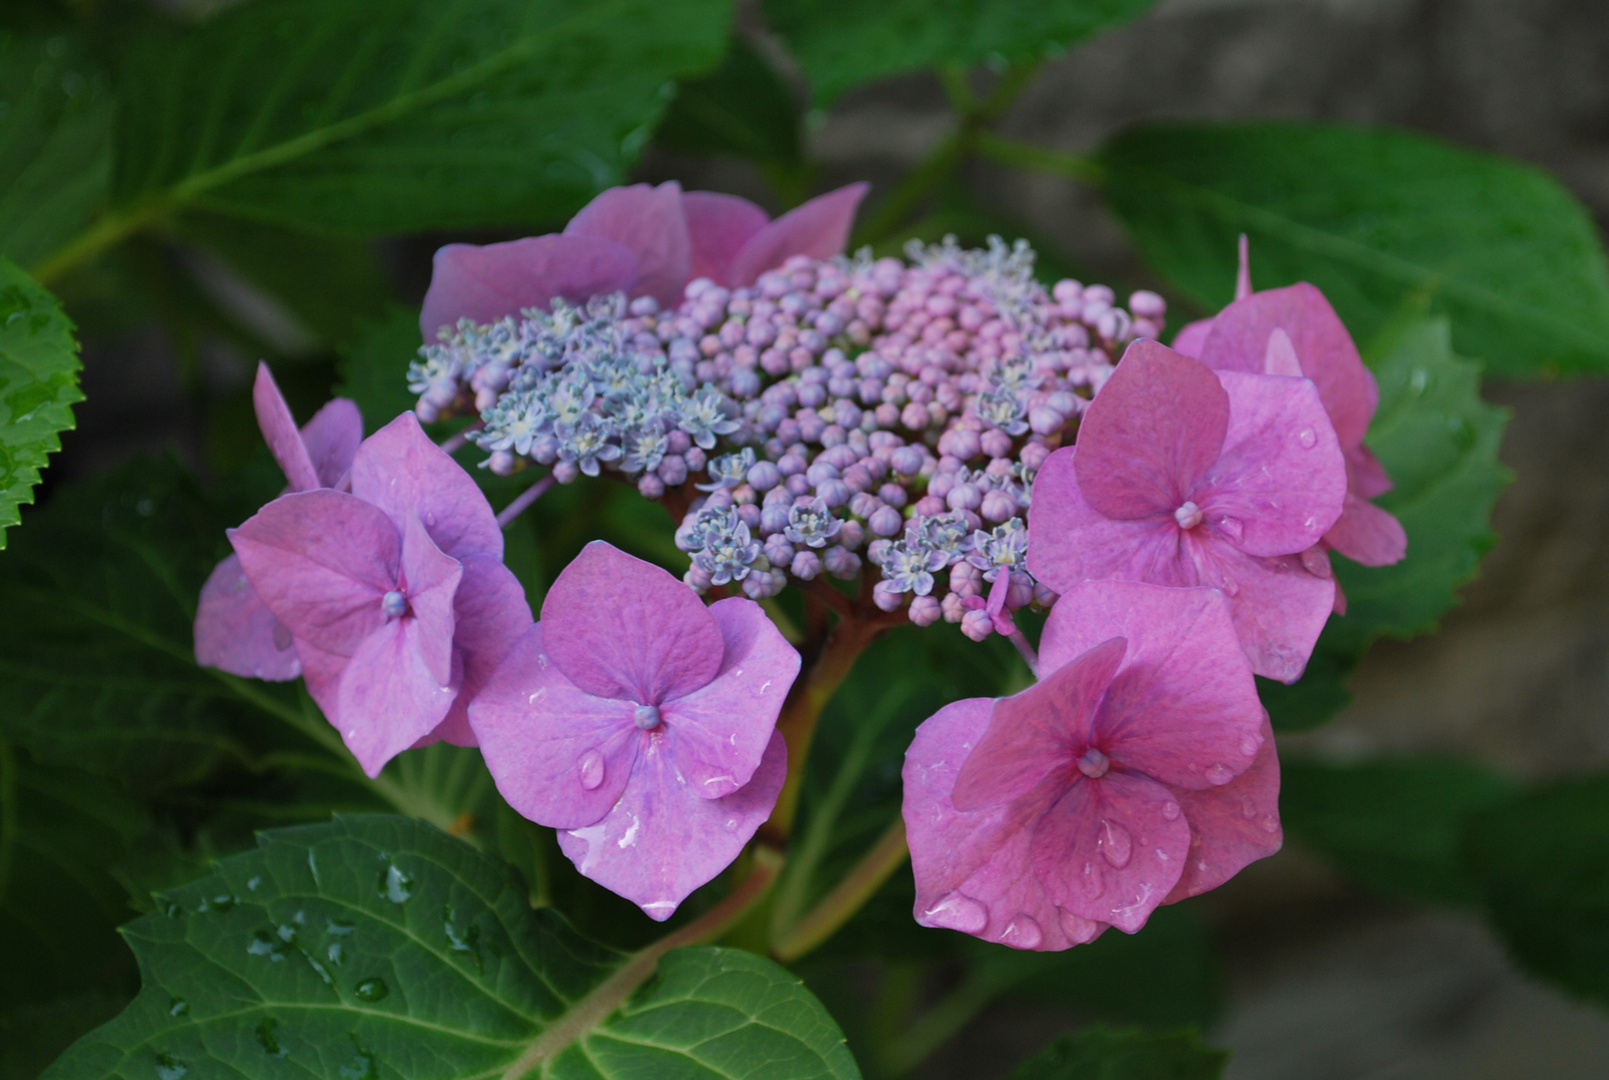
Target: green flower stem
x=908 y=1050
x=846 y=898
x=1027 y=155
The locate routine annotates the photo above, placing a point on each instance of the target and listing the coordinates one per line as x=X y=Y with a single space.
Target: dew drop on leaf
x=169 y=1067
x=372 y=990
x=395 y=885
x=268 y=1040
x=179 y=1007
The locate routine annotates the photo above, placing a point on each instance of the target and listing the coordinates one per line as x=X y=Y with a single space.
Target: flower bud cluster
x=835 y=414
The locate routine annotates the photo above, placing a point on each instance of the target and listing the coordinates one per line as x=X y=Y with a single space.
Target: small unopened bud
x=925 y=610
x=976 y=624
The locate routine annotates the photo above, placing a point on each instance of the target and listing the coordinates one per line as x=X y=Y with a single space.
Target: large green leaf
x=55 y=147
x=38 y=386
x=844 y=43
x=373 y=116
x=1542 y=864
x=1393 y=826
x=1438 y=441
x=1105 y=1054
x=378 y=947
x=743 y=108
x=1371 y=216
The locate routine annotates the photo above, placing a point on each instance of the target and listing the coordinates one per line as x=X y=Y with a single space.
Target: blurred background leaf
x=1125 y=1054
x=38 y=386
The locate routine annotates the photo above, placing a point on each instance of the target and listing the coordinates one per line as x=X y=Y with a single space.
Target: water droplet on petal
x=1170 y=810
x=1023 y=933
x=1251 y=744
x=1116 y=844
x=1248 y=808
x=1093 y=884
x=1078 y=929
x=372 y=990
x=591 y=770
x=957 y=911
x=1308 y=438
x=1220 y=773
x=1232 y=528
x=1270 y=824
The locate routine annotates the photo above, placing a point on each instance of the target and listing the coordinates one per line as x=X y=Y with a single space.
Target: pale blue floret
x=704 y=416
x=946 y=537
x=1004 y=546
x=514 y=423
x=905 y=569
x=1001 y=409
x=729 y=470
x=586 y=443
x=644 y=448
x=811 y=522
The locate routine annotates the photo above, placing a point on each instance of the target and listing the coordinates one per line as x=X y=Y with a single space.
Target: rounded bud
x=886 y=597
x=764 y=476
x=997 y=507
x=806 y=566
x=886 y=521
x=651 y=486
x=841 y=563
x=502 y=463
x=964 y=497
x=976 y=624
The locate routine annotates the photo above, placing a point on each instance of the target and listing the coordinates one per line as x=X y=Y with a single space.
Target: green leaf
x=743 y=108
x=38 y=386
x=1132 y=1054
x=1393 y=826
x=1372 y=216
x=55 y=133
x=377 y=947
x=1439 y=443
x=373 y=116
x=844 y=43
x=373 y=368
x=1542 y=864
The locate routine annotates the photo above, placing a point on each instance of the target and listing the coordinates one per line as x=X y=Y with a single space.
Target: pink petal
x=661 y=841
x=1239 y=342
x=1109 y=851
x=235 y=631
x=332 y=439
x=619 y=627
x=1364 y=473
x=321 y=672
x=489 y=614
x=1367 y=534
x=1232 y=825
x=1281 y=479
x=718 y=226
x=1192 y=337
x=1037 y=731
x=649 y=222
x=818 y=228
x=279 y=429
x=401 y=471
x=1182 y=708
x=545 y=740
x=389 y=698
x=486 y=283
x=1151 y=434
x=321 y=560
x=1279 y=609
x=972 y=870
x=723 y=728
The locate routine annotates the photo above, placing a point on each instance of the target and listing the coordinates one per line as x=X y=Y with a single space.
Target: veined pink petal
x=332 y=439
x=1280 y=479
x=1109 y=851
x=486 y=283
x=401 y=471
x=1191 y=337
x=721 y=729
x=1232 y=825
x=1364 y=473
x=1367 y=534
x=389 y=698
x=279 y=429
x=1151 y=434
x=321 y=560
x=430 y=581
x=1279 y=609
x=559 y=755
x=619 y=627
x=649 y=221
x=718 y=226
x=1038 y=731
x=489 y=615
x=661 y=841
x=235 y=631
x=1069 y=541
x=1239 y=342
x=321 y=672
x=818 y=228
x=1183 y=702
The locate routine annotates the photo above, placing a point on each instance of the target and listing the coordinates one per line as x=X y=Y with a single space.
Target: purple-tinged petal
x=1192 y=337
x=389 y=698
x=235 y=631
x=1109 y=851
x=279 y=429
x=321 y=672
x=647 y=220
x=718 y=226
x=973 y=871
x=560 y=756
x=429 y=583
x=1367 y=534
x=1151 y=434
x=1239 y=342
x=1232 y=825
x=490 y=613
x=486 y=283
x=1280 y=358
x=1038 y=731
x=321 y=560
x=818 y=228
x=1279 y=483
x=1364 y=473
x=661 y=841
x=619 y=627
x=1279 y=609
x=1069 y=541
x=1182 y=707
x=332 y=439
x=723 y=728
x=401 y=471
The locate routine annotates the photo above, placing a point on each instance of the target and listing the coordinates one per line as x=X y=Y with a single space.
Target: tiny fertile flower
x=1140 y=770
x=395 y=595
x=641 y=724
x=1183 y=476
x=234 y=631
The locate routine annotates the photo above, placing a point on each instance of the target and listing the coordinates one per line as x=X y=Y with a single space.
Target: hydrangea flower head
x=395 y=595
x=1183 y=476
x=234 y=630
x=1138 y=771
x=641 y=724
